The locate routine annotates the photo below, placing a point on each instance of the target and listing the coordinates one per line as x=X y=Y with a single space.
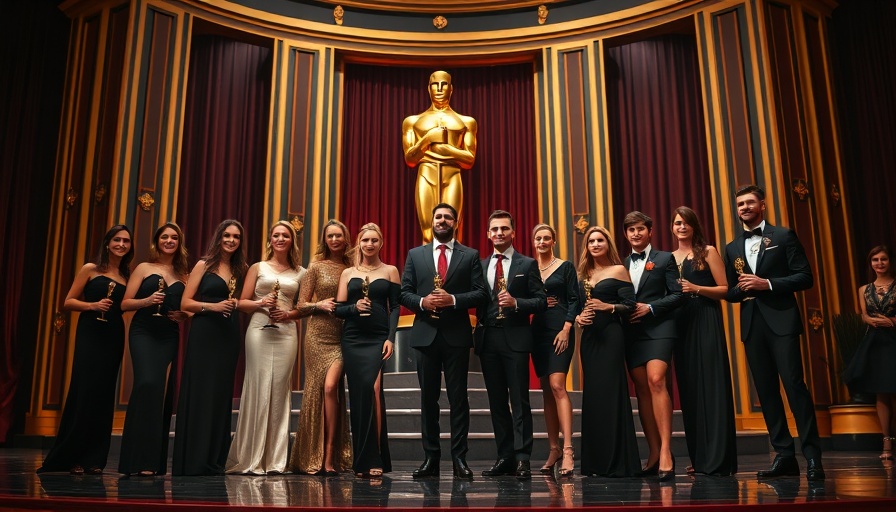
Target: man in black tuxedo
x=765 y=267
x=504 y=345
x=650 y=336
x=442 y=334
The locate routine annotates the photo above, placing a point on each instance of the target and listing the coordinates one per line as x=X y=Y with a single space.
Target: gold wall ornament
x=542 y=14
x=835 y=194
x=440 y=144
x=582 y=225
x=99 y=192
x=71 y=197
x=146 y=201
x=338 y=14
x=439 y=22
x=816 y=320
x=58 y=322
x=297 y=223
x=801 y=189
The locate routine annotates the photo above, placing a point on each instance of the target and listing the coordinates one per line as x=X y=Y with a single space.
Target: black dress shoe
x=461 y=470
x=814 y=470
x=502 y=467
x=782 y=466
x=523 y=471
x=430 y=467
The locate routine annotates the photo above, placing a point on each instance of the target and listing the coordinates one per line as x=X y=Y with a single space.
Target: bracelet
x=698 y=291
x=613 y=311
x=202 y=309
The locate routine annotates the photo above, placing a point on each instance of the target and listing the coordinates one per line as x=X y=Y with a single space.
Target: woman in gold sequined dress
x=323 y=445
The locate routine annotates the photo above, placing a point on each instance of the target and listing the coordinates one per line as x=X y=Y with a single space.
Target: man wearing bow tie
x=765 y=267
x=504 y=342
x=442 y=335
x=649 y=338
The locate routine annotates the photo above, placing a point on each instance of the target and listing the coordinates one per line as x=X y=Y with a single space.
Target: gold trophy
x=159 y=307
x=276 y=292
x=739 y=264
x=365 y=290
x=102 y=317
x=588 y=287
x=437 y=285
x=502 y=287
x=231 y=287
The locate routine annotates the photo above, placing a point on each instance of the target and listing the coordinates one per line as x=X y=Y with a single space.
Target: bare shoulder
x=619 y=272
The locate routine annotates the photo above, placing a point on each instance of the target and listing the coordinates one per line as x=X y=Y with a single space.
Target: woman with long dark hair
x=154 y=291
x=261 y=443
x=202 y=429
x=85 y=431
x=323 y=445
x=871 y=368
x=701 y=351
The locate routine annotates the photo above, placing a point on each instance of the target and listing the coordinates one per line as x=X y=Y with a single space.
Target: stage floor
x=855 y=481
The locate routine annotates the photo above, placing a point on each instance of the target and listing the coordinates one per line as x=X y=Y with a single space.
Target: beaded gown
x=261 y=442
x=205 y=402
x=871 y=368
x=362 y=345
x=704 y=379
x=610 y=447
x=85 y=430
x=153 y=343
x=321 y=349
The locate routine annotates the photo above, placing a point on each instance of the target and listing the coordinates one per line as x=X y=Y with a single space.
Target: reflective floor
x=856 y=481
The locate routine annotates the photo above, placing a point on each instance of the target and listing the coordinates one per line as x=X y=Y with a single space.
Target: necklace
x=362 y=268
x=882 y=288
x=551 y=264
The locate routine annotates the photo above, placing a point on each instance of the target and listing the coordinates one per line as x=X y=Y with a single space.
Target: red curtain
x=657 y=136
x=224 y=145
x=378 y=187
x=864 y=52
x=34 y=38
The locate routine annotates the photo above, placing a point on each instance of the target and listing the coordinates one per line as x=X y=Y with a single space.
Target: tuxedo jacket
x=463 y=280
x=525 y=285
x=658 y=287
x=782 y=260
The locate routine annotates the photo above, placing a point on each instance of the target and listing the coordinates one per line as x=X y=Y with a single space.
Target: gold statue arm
x=465 y=156
x=415 y=149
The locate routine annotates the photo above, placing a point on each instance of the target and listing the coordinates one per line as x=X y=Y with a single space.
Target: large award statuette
x=502 y=287
x=365 y=291
x=275 y=291
x=739 y=265
x=161 y=289
x=102 y=317
x=437 y=285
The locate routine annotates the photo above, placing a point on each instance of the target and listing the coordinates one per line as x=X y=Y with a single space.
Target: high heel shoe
x=665 y=476
x=552 y=459
x=566 y=470
x=887 y=452
x=650 y=470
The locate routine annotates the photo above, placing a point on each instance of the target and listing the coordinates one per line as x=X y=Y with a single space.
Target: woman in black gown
x=701 y=351
x=609 y=447
x=371 y=318
x=202 y=428
x=154 y=291
x=871 y=368
x=552 y=352
x=85 y=431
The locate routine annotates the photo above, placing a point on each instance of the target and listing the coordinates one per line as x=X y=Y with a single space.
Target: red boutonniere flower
x=649 y=266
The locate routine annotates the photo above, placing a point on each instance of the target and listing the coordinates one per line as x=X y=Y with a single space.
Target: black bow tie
x=754 y=232
x=638 y=256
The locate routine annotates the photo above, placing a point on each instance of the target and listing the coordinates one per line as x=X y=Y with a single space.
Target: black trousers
x=506 y=374
x=771 y=356
x=455 y=362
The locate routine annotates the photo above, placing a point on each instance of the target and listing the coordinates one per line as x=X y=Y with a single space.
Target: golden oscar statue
x=439 y=143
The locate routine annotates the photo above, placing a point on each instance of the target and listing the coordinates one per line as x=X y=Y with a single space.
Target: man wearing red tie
x=765 y=267
x=504 y=342
x=441 y=281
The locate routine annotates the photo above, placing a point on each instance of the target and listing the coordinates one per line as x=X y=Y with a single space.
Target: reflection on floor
x=856 y=481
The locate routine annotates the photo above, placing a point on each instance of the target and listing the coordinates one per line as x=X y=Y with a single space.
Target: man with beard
x=765 y=267
x=441 y=281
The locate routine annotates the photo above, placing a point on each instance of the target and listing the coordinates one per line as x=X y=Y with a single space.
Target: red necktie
x=443 y=262
x=499 y=272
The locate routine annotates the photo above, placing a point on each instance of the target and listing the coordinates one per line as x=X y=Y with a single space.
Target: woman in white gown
x=261 y=443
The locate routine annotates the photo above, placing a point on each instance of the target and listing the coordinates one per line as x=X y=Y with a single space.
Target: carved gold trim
x=424 y=6
x=338 y=14
x=582 y=225
x=440 y=22
x=146 y=201
x=297 y=223
x=99 y=192
x=816 y=320
x=58 y=322
x=542 y=14
x=71 y=197
x=801 y=189
x=835 y=194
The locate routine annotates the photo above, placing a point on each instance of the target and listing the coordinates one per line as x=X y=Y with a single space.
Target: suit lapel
x=767 y=233
x=455 y=260
x=428 y=260
x=513 y=269
x=645 y=273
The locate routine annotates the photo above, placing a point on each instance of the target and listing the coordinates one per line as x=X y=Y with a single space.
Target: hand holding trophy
x=102 y=317
x=502 y=287
x=437 y=285
x=275 y=291
x=739 y=265
x=231 y=289
x=160 y=290
x=365 y=290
